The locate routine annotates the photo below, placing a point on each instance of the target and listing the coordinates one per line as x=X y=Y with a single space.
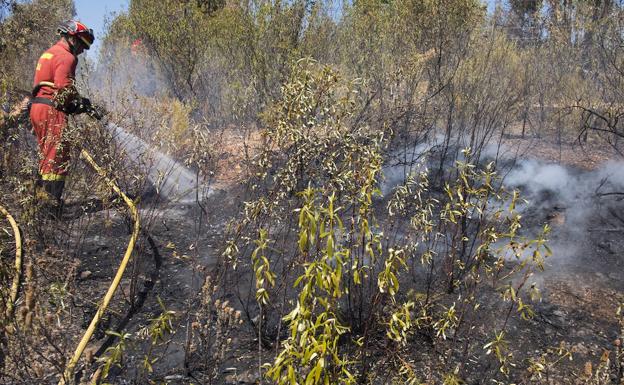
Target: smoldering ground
x=582 y=207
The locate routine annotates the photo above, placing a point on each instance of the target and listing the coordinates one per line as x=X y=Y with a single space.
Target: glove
x=84 y=106
x=77 y=105
x=93 y=111
x=71 y=108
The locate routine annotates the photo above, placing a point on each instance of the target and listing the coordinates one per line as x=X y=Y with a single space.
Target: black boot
x=54 y=190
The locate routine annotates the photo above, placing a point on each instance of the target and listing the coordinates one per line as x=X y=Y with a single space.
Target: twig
x=610 y=193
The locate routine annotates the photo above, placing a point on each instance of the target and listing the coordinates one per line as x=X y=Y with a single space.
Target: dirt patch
x=570 y=152
x=237 y=149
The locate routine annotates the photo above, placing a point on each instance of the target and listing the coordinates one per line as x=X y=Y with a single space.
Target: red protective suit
x=57 y=65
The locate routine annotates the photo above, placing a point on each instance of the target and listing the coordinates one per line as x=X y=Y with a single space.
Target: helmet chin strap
x=72 y=43
x=73 y=46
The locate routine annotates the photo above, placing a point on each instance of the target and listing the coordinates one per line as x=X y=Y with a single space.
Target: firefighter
x=55 y=96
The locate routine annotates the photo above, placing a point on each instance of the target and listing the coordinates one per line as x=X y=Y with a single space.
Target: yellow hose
x=69 y=369
x=18 y=262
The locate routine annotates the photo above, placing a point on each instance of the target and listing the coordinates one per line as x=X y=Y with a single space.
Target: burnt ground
x=173 y=254
x=583 y=283
x=581 y=287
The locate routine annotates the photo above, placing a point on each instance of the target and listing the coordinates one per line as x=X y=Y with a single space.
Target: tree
x=29 y=29
x=527 y=14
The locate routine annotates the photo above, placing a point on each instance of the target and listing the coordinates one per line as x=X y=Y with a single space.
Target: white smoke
x=537 y=177
x=564 y=185
x=573 y=200
x=407 y=161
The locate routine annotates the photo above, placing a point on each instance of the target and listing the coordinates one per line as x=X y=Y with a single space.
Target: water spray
x=173 y=180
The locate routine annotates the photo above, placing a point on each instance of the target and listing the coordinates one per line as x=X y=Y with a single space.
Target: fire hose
x=96 y=113
x=69 y=369
x=18 y=261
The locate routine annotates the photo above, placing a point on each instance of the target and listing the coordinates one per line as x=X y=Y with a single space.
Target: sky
x=93 y=13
